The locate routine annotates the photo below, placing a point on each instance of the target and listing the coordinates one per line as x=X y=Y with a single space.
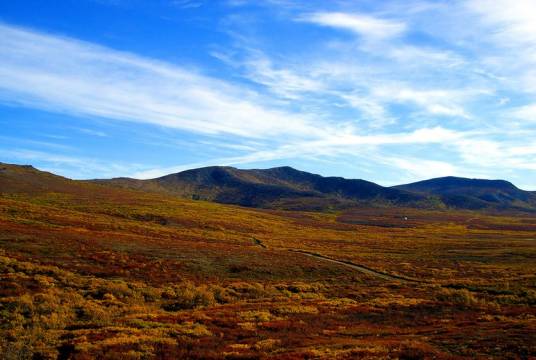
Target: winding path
x=348 y=264
x=366 y=270
x=361 y=268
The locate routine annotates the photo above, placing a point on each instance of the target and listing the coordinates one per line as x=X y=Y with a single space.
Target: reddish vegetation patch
x=87 y=274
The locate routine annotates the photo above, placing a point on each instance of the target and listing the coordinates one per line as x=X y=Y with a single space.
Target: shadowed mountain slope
x=474 y=193
x=282 y=187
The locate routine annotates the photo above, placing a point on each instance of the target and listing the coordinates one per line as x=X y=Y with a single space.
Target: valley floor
x=129 y=275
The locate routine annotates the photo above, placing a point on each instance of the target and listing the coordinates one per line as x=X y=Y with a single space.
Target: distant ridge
x=474 y=193
x=281 y=187
x=286 y=188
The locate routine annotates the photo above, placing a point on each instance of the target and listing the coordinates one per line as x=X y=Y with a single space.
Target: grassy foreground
x=96 y=272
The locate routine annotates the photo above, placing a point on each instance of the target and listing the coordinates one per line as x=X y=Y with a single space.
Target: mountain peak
x=474 y=193
x=285 y=168
x=279 y=187
x=453 y=181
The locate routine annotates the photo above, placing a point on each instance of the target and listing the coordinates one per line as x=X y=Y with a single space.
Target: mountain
x=25 y=179
x=281 y=187
x=474 y=194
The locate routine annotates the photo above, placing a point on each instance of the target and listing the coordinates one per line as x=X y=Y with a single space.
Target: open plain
x=92 y=271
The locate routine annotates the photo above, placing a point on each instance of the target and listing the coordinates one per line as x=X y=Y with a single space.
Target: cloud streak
x=364 y=25
x=66 y=75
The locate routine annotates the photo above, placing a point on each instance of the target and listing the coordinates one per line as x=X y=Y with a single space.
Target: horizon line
x=269 y=168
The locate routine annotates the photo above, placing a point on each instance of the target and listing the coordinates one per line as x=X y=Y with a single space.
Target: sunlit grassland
x=124 y=274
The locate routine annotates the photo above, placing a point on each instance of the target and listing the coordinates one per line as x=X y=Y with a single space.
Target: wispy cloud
x=282 y=81
x=62 y=74
x=419 y=88
x=424 y=169
x=434 y=101
x=342 y=144
x=361 y=24
x=16 y=141
x=507 y=33
x=92 y=132
x=525 y=113
x=513 y=21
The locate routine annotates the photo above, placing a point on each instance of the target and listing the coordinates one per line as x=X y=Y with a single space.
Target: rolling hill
x=93 y=271
x=474 y=193
x=285 y=188
x=281 y=187
x=26 y=178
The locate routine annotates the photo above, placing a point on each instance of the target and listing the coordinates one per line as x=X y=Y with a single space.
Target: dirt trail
x=366 y=270
x=348 y=264
x=361 y=268
x=259 y=243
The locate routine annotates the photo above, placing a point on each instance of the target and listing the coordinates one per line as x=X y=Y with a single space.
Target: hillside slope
x=90 y=271
x=26 y=178
x=282 y=187
x=17 y=180
x=474 y=193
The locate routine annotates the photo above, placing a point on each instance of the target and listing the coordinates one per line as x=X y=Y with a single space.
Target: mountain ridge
x=280 y=187
x=473 y=193
x=291 y=189
x=318 y=192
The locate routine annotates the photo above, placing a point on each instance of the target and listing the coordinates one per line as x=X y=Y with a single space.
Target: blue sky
x=388 y=91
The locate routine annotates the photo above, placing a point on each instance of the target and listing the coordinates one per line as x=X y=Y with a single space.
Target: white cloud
x=420 y=56
x=361 y=24
x=334 y=145
x=282 y=81
x=92 y=132
x=514 y=22
x=370 y=108
x=422 y=168
x=388 y=99
x=62 y=74
x=525 y=113
x=437 y=102
x=506 y=32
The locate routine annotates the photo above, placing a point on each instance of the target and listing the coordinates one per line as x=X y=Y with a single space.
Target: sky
x=389 y=91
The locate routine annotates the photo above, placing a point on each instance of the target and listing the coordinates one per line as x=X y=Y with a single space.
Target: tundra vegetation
x=99 y=272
